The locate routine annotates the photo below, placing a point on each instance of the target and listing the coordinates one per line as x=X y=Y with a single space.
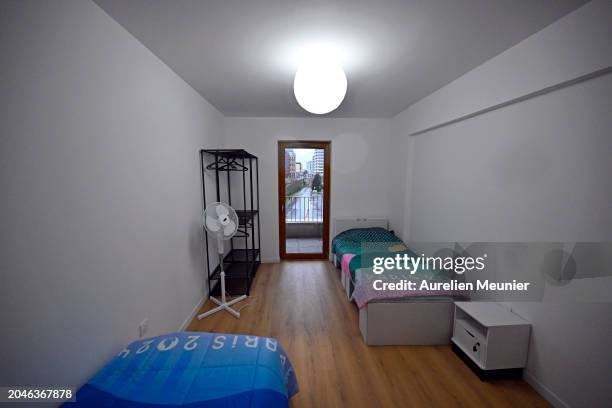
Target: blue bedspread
x=194 y=369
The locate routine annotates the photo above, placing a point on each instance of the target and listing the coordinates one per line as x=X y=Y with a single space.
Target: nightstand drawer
x=470 y=340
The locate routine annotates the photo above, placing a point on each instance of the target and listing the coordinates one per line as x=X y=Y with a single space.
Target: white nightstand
x=491 y=339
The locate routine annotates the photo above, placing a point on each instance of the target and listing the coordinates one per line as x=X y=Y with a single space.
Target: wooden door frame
x=303 y=144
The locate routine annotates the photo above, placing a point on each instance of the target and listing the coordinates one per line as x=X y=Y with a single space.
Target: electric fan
x=221 y=221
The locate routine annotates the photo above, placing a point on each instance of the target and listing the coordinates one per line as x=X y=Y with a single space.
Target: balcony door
x=303 y=199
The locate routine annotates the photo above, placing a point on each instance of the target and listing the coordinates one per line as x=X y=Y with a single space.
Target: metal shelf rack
x=244 y=256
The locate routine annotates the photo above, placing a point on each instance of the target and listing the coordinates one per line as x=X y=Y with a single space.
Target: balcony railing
x=306 y=209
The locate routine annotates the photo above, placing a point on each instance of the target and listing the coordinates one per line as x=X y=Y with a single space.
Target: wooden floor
x=302 y=304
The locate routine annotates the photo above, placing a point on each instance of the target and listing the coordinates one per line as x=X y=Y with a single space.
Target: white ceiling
x=241 y=55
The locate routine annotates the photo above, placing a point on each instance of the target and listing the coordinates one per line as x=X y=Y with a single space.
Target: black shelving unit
x=244 y=256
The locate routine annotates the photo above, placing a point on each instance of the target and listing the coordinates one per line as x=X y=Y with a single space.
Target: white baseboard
x=544 y=390
x=193 y=314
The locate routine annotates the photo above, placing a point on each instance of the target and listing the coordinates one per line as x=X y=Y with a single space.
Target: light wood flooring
x=301 y=303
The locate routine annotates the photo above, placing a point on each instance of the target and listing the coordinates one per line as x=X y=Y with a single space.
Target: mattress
x=365 y=292
x=357 y=249
x=354 y=242
x=196 y=370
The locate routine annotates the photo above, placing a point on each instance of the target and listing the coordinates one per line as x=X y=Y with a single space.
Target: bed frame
x=413 y=322
x=396 y=322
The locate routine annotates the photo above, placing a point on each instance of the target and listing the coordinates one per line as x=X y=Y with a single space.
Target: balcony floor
x=304 y=245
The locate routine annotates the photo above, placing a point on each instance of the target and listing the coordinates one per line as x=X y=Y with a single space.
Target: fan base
x=223 y=306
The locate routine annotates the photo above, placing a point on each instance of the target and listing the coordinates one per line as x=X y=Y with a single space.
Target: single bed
x=392 y=318
x=193 y=369
x=350 y=245
x=405 y=317
x=349 y=236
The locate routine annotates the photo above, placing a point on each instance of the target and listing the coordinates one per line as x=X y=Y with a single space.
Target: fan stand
x=223 y=304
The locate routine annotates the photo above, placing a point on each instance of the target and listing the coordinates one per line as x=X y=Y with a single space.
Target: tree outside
x=316 y=183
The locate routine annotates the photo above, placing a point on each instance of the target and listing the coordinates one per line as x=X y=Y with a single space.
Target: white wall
x=101 y=196
x=536 y=168
x=361 y=169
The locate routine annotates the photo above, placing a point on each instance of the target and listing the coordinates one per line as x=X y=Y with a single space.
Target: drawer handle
x=468 y=332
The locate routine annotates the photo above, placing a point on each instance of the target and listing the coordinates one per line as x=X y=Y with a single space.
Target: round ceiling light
x=320 y=86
